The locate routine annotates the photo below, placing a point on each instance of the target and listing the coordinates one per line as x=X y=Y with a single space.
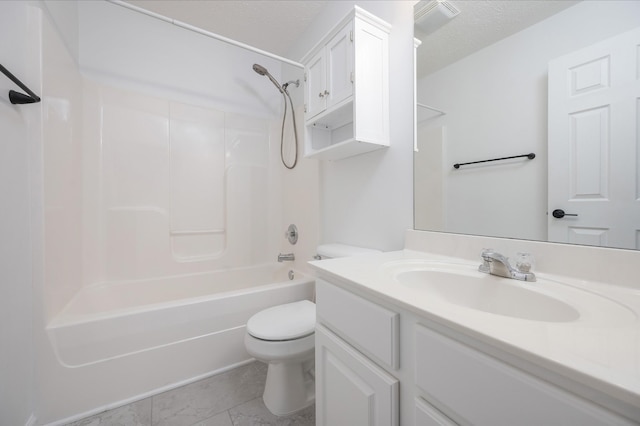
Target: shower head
x=260 y=69
x=263 y=71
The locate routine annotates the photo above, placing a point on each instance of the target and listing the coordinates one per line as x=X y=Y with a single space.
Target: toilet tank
x=334 y=250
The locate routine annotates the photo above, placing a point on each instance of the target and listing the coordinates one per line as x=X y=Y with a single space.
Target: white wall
x=19 y=22
x=367 y=200
x=496 y=105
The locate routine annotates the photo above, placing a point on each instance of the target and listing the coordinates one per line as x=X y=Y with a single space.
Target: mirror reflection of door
x=594 y=111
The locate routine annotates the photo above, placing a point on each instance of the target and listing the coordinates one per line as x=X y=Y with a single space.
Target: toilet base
x=290 y=387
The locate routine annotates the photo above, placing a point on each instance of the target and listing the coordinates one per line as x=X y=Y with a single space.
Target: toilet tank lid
x=284 y=322
x=335 y=250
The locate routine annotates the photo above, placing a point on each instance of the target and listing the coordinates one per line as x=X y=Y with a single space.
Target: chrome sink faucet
x=497 y=264
x=288 y=257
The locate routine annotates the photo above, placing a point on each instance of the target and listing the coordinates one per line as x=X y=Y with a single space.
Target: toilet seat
x=284 y=322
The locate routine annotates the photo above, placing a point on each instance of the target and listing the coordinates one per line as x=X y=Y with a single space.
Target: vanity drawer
x=368 y=326
x=481 y=390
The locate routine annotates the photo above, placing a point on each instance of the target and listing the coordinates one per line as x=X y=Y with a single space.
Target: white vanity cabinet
x=481 y=390
x=347 y=89
x=351 y=388
x=367 y=348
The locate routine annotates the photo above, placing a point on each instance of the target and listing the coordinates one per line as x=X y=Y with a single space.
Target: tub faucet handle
x=292 y=234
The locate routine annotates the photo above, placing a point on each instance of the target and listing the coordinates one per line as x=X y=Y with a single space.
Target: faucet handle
x=524 y=261
x=484 y=266
x=487 y=251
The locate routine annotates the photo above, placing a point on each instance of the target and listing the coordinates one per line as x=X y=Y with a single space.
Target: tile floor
x=233 y=398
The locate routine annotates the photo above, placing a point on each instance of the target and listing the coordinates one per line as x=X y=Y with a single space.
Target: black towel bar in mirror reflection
x=530 y=156
x=17 y=97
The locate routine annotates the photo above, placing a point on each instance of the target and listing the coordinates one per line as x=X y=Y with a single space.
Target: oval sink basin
x=488 y=293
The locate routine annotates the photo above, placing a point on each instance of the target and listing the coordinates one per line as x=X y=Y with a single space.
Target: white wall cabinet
x=347 y=89
x=445 y=380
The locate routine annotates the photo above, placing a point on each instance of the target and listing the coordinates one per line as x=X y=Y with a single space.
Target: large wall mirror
x=557 y=79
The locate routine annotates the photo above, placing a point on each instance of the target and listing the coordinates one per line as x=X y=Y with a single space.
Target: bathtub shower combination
x=171 y=163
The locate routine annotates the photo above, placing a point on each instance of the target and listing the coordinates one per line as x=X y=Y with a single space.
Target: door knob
x=559 y=214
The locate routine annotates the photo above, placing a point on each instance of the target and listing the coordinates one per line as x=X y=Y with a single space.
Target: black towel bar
x=17 y=97
x=530 y=156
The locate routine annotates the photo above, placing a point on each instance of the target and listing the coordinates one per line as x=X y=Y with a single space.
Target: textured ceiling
x=268 y=25
x=480 y=23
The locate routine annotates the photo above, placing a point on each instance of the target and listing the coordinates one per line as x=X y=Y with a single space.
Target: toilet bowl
x=283 y=337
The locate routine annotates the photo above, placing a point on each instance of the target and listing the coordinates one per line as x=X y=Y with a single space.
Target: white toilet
x=283 y=336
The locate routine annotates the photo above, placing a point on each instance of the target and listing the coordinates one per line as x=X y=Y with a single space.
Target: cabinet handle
x=320 y=95
x=326 y=93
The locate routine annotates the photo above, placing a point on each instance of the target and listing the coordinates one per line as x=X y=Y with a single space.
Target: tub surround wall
x=176 y=189
x=182 y=160
x=62 y=164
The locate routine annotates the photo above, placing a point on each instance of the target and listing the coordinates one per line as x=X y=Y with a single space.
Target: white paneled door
x=593 y=177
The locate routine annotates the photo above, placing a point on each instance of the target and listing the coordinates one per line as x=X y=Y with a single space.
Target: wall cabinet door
x=340 y=57
x=316 y=77
x=329 y=73
x=350 y=389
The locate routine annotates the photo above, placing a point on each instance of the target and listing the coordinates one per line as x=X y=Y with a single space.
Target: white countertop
x=599 y=351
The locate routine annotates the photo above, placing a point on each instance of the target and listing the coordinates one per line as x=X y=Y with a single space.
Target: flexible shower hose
x=295 y=130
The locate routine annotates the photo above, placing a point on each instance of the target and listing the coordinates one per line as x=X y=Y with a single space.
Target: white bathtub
x=111 y=320
x=119 y=342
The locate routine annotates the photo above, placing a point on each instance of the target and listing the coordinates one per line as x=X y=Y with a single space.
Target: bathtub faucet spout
x=288 y=257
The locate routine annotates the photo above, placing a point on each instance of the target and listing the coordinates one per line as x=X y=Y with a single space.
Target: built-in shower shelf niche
x=347 y=89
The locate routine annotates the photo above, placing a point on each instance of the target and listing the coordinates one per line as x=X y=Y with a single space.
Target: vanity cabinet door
x=350 y=389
